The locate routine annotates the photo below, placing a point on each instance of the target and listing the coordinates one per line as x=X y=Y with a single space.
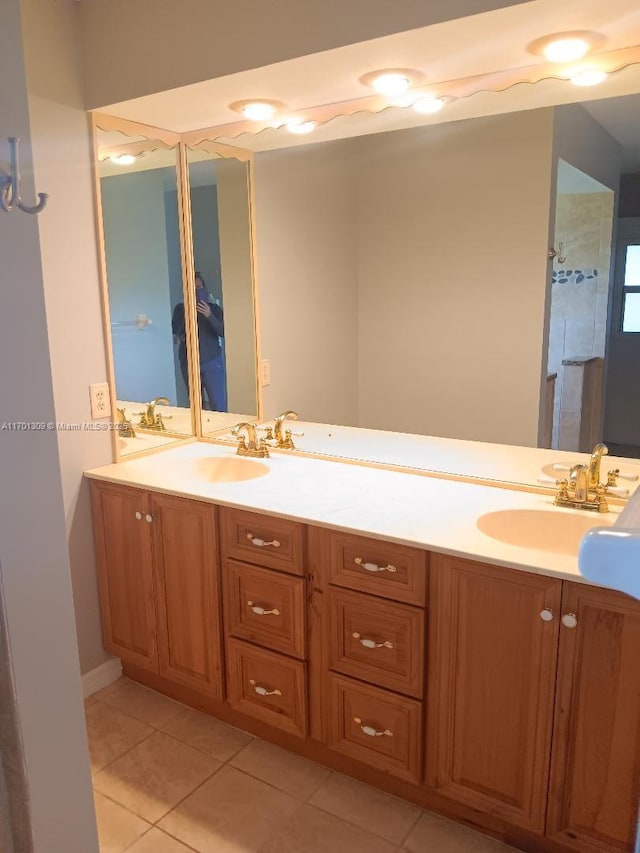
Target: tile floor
x=168 y=779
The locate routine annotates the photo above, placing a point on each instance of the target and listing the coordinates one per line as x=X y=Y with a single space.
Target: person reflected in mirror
x=210 y=334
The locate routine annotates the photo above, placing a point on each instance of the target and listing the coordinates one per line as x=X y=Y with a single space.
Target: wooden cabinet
x=536 y=720
x=377 y=641
x=157 y=569
x=595 y=772
x=379 y=568
x=505 y=698
x=265 y=605
x=254 y=538
x=268 y=686
x=493 y=671
x=188 y=606
x=125 y=573
x=376 y=727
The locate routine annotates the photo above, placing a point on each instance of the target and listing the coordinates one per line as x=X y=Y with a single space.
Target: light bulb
x=587 y=76
x=391 y=84
x=258 y=111
x=565 y=50
x=301 y=127
x=428 y=105
x=123 y=159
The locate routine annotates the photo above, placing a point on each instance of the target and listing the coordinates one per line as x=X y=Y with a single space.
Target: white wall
x=306 y=270
x=136 y=48
x=421 y=254
x=38 y=505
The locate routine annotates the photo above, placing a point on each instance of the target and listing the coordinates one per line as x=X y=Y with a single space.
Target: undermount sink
x=558 y=531
x=223 y=470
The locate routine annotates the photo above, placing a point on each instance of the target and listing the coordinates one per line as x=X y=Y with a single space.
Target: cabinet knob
x=261 y=543
x=262 y=691
x=370 y=731
x=260 y=611
x=139 y=516
x=569 y=620
x=546 y=615
x=148 y=518
x=371 y=644
x=373 y=567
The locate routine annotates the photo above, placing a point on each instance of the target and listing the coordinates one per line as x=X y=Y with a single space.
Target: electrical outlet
x=265 y=371
x=100 y=401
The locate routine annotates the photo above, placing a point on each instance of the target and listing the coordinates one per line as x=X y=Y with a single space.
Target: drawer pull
x=371 y=644
x=370 y=731
x=262 y=691
x=261 y=543
x=260 y=611
x=372 y=567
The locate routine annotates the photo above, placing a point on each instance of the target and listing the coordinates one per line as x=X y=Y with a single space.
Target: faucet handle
x=616 y=474
x=561 y=466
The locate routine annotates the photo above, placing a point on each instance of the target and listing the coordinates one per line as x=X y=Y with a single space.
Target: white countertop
x=409 y=508
x=457 y=457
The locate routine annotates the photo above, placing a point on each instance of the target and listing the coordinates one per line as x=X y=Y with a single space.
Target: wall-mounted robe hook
x=10 y=186
x=556 y=254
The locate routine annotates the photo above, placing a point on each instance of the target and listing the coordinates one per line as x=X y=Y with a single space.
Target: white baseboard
x=101 y=676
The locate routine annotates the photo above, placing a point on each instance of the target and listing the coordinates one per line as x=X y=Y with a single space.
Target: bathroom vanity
x=434 y=639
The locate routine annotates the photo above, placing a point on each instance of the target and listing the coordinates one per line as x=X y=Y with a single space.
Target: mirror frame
x=181 y=142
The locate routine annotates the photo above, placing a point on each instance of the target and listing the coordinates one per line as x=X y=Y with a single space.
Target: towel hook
x=10 y=185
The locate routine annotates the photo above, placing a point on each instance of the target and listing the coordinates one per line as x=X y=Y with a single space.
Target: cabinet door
x=186 y=559
x=595 y=773
x=491 y=681
x=125 y=573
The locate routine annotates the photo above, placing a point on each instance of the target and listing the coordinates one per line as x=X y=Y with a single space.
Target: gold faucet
x=124 y=425
x=283 y=438
x=151 y=420
x=251 y=445
x=583 y=489
x=597 y=453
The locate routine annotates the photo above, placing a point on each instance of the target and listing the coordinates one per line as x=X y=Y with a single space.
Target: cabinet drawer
x=376 y=727
x=267 y=686
x=380 y=568
x=377 y=641
x=264 y=607
x=255 y=538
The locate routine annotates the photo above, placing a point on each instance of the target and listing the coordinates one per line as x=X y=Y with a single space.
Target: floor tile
x=111 y=733
x=145 y=705
x=366 y=807
x=315 y=831
x=291 y=773
x=117 y=827
x=154 y=776
x=156 y=841
x=207 y=734
x=445 y=836
x=230 y=813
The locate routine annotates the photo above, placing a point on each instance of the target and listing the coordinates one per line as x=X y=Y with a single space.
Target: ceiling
x=481 y=62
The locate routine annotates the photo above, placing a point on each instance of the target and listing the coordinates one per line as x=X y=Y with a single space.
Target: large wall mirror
x=175 y=229
x=139 y=211
x=450 y=280
x=220 y=202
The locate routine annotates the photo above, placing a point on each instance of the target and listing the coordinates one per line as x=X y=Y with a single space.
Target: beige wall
x=138 y=48
x=36 y=583
x=234 y=227
x=453 y=224
x=62 y=154
x=421 y=254
x=305 y=206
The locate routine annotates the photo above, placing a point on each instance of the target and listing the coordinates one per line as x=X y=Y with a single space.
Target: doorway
x=578 y=314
